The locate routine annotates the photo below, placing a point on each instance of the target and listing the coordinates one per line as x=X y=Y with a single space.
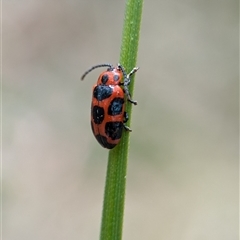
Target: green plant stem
x=113 y=206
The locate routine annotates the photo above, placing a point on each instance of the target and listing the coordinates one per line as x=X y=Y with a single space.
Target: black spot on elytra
x=114 y=130
x=103 y=141
x=97 y=114
x=102 y=92
x=116 y=106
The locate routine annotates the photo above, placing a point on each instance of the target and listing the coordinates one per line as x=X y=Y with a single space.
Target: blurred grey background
x=182 y=178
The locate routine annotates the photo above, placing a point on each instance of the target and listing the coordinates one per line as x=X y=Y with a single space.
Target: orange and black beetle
x=108 y=104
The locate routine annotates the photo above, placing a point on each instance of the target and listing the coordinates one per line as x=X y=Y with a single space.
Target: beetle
x=108 y=116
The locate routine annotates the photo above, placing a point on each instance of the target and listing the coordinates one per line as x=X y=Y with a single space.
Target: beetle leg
x=125 y=87
x=127 y=128
x=124 y=121
x=125 y=117
x=131 y=73
x=127 y=81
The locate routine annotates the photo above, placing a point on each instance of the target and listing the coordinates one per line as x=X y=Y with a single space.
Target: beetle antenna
x=96 y=66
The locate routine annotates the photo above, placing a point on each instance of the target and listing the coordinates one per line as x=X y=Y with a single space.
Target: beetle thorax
x=112 y=77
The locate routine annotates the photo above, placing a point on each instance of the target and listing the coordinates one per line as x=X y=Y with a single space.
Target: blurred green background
x=182 y=178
